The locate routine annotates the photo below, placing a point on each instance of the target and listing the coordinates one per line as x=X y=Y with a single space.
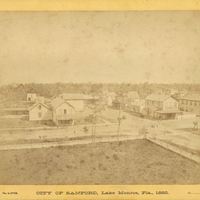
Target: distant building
x=190 y=103
x=108 y=98
x=173 y=92
x=165 y=91
x=132 y=95
x=31 y=97
x=40 y=112
x=161 y=106
x=138 y=106
x=131 y=98
x=77 y=100
x=40 y=99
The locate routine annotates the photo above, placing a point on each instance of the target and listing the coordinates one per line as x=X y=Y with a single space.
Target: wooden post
x=74 y=127
x=93 y=130
x=119 y=121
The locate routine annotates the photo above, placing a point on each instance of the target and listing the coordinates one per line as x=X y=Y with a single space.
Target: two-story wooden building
x=77 y=100
x=161 y=106
x=190 y=103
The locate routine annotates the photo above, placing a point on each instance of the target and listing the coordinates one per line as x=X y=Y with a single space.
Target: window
x=39 y=114
x=39 y=107
x=65 y=111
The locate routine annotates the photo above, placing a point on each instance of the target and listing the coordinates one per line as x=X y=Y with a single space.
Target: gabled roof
x=55 y=103
x=36 y=104
x=133 y=94
x=157 y=97
x=75 y=96
x=194 y=97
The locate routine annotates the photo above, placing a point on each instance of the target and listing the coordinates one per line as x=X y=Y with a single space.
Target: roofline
x=161 y=100
x=62 y=103
x=33 y=106
x=78 y=98
x=85 y=96
x=189 y=99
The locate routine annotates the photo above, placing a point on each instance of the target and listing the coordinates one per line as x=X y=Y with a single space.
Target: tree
x=97 y=108
x=119 y=119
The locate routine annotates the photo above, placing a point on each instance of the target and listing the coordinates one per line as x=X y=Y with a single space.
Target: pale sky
x=134 y=47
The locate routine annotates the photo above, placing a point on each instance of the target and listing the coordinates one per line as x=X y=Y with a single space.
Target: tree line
x=19 y=91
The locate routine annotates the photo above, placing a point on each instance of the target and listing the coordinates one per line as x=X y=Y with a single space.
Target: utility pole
x=119 y=121
x=93 y=128
x=74 y=127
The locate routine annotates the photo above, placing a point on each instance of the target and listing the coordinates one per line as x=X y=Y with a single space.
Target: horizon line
x=104 y=83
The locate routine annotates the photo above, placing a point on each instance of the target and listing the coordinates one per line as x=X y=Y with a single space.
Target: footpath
x=184 y=143
x=70 y=142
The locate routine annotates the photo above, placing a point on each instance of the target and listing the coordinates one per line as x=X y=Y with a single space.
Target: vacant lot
x=20 y=123
x=131 y=162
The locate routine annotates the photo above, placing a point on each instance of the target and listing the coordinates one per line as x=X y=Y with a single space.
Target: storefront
x=167 y=114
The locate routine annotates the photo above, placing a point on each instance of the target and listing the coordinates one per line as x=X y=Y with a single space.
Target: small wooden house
x=63 y=112
x=31 y=97
x=40 y=112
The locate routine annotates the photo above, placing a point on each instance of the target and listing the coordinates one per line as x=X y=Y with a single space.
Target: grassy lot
x=184 y=148
x=131 y=162
x=19 y=123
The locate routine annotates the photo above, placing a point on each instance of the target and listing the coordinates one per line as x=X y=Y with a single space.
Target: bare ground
x=131 y=162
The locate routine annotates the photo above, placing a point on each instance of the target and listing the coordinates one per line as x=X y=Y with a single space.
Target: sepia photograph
x=99 y=97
